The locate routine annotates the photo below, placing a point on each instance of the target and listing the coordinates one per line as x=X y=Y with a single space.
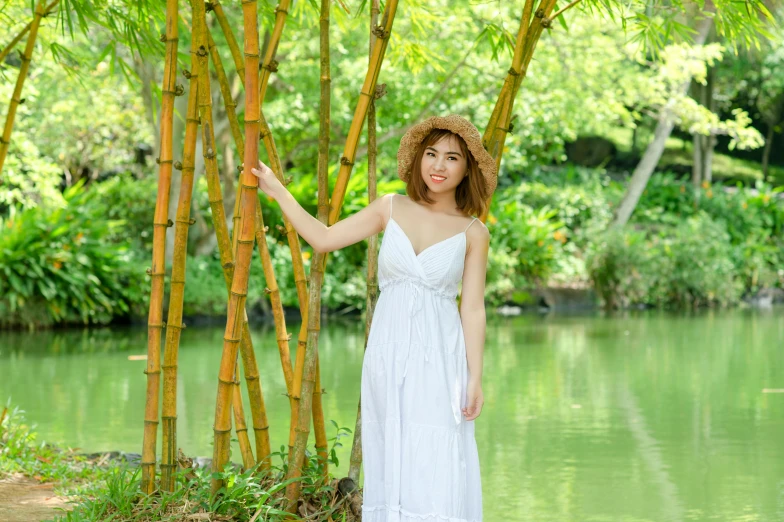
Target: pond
x=633 y=417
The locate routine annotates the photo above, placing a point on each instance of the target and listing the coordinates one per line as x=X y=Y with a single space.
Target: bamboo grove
x=248 y=234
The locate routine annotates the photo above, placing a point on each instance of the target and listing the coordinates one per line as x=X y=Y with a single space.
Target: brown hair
x=471 y=193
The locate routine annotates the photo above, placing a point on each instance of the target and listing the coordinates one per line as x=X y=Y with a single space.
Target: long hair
x=471 y=193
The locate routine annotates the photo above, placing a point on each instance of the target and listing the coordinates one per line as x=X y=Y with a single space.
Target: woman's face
x=443 y=165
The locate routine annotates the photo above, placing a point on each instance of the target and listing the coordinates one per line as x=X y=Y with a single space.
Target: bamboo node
x=251 y=378
x=246 y=241
x=267 y=290
x=152 y=372
x=230 y=340
x=272 y=66
x=162 y=37
x=252 y=187
x=169 y=223
x=540 y=13
x=288 y=336
x=20 y=101
x=513 y=72
x=195 y=120
x=345 y=161
x=149 y=271
x=381 y=91
x=209 y=6
x=178 y=165
x=202 y=52
x=224 y=381
x=279 y=10
x=239 y=168
x=547 y=22
x=187 y=74
x=280 y=228
x=227 y=265
x=191 y=221
x=179 y=89
x=266 y=228
x=380 y=32
x=216 y=430
x=239 y=294
x=288 y=180
x=210 y=153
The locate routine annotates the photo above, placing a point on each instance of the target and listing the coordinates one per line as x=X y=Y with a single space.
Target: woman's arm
x=472 y=313
x=354 y=228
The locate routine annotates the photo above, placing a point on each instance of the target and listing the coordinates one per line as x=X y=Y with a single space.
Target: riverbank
x=44 y=482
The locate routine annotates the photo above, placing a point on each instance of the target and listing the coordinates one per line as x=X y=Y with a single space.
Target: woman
x=422 y=371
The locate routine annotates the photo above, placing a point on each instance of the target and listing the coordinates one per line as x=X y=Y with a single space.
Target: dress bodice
x=439 y=267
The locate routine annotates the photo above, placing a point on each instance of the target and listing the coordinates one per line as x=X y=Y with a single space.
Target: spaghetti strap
x=471 y=223
x=391 y=199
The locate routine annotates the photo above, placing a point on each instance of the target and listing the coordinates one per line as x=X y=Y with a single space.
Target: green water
x=635 y=417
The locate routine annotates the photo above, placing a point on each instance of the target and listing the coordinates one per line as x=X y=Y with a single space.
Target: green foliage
x=524 y=245
x=56 y=265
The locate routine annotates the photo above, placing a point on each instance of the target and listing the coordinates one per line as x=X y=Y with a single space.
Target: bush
x=689 y=264
x=57 y=266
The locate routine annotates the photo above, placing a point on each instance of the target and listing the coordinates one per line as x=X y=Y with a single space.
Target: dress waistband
x=417 y=283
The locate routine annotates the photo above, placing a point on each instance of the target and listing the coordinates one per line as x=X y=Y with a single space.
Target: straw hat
x=458 y=125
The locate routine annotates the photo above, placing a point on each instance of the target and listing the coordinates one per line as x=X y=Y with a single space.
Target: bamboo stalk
x=528 y=35
x=177 y=289
x=8 y=48
x=160 y=223
x=258 y=408
x=248 y=193
x=239 y=423
x=297 y=455
x=234 y=47
x=293 y=387
x=355 y=461
x=16 y=97
x=323 y=214
x=270 y=65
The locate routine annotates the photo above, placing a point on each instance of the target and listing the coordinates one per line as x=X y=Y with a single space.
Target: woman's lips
x=436 y=178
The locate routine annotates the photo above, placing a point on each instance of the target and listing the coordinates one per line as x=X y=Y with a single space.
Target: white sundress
x=419 y=453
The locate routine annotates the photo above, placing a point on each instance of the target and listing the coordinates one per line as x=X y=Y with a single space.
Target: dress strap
x=391 y=199
x=471 y=223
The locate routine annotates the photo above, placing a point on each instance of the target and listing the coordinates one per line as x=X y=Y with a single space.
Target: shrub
x=57 y=266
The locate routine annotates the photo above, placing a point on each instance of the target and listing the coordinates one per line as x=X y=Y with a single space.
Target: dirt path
x=26 y=500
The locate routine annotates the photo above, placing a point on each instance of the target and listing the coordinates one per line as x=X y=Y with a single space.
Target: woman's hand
x=268 y=183
x=474 y=400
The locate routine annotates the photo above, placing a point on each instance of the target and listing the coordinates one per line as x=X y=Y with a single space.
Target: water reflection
x=626 y=417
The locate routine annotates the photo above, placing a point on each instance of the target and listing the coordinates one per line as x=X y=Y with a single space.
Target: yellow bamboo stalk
x=239 y=423
x=270 y=65
x=258 y=408
x=292 y=387
x=355 y=460
x=16 y=39
x=318 y=265
x=160 y=223
x=500 y=122
x=248 y=193
x=234 y=47
x=174 y=324
x=16 y=97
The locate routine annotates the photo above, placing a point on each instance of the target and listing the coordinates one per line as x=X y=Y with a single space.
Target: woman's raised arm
x=354 y=228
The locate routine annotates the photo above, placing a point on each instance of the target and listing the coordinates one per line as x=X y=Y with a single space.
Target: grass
x=102 y=489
